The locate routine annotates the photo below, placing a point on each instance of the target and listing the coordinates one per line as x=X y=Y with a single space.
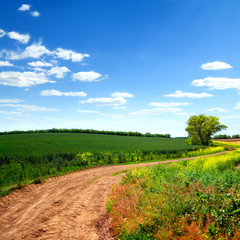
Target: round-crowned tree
x=200 y=128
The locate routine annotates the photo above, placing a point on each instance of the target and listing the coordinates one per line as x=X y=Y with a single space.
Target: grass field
x=46 y=143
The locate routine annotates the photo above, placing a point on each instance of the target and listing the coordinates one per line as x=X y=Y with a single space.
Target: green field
x=32 y=157
x=46 y=143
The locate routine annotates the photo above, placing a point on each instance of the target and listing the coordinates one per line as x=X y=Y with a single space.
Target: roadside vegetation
x=197 y=199
x=31 y=158
x=230 y=144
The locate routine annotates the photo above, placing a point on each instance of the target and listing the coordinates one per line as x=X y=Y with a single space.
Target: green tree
x=200 y=128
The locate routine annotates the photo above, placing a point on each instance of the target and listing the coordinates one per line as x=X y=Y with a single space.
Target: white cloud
x=217 y=83
x=59 y=72
x=70 y=55
x=2 y=33
x=180 y=94
x=122 y=94
x=216 y=65
x=54 y=92
x=86 y=76
x=39 y=69
x=237 y=105
x=29 y=108
x=5 y=64
x=16 y=120
x=216 y=109
x=23 y=79
x=10 y=100
x=102 y=102
x=88 y=111
x=156 y=111
x=23 y=38
x=24 y=7
x=35 y=14
x=40 y=64
x=36 y=50
x=168 y=104
x=12 y=113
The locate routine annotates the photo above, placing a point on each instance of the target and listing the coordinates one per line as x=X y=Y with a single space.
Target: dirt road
x=66 y=207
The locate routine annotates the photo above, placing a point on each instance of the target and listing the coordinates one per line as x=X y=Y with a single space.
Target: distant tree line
x=90 y=131
x=225 y=136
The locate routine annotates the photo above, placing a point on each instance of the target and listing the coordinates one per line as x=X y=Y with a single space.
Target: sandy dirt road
x=72 y=206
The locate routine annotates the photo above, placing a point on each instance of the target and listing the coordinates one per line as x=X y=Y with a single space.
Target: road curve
x=66 y=207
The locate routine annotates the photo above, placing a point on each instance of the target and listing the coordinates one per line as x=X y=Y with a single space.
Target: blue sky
x=119 y=65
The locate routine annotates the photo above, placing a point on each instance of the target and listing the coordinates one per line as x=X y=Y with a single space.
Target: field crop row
x=49 y=143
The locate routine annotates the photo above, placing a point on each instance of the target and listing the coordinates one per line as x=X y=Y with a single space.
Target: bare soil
x=72 y=206
x=228 y=140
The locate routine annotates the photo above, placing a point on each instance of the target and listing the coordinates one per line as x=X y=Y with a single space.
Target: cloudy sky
x=133 y=65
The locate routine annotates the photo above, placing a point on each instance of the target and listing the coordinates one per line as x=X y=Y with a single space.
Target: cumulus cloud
x=23 y=79
x=70 y=55
x=168 y=104
x=5 y=64
x=88 y=111
x=10 y=100
x=215 y=66
x=237 y=105
x=40 y=64
x=36 y=50
x=54 y=92
x=86 y=76
x=217 y=83
x=2 y=33
x=122 y=94
x=102 y=102
x=35 y=14
x=23 y=38
x=216 y=109
x=180 y=94
x=59 y=72
x=156 y=111
x=29 y=108
x=24 y=7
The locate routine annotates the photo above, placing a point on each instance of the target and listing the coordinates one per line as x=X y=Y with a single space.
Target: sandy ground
x=72 y=206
